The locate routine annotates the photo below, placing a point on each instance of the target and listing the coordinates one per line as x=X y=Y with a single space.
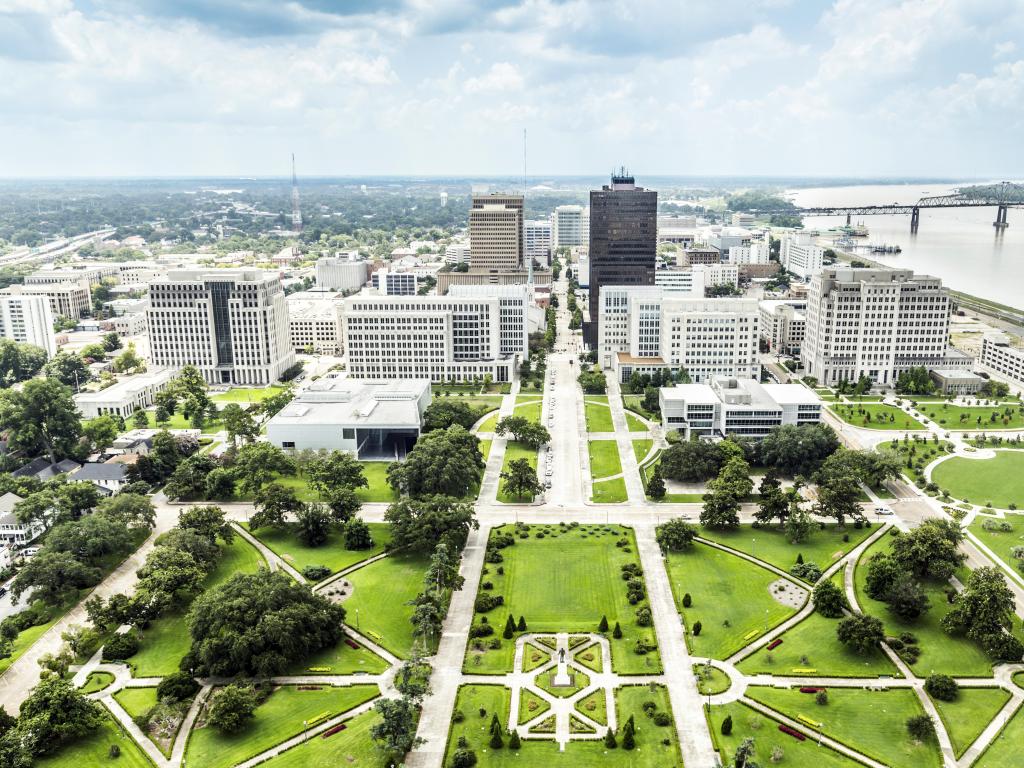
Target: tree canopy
x=446 y=462
x=41 y=418
x=797 y=450
x=419 y=524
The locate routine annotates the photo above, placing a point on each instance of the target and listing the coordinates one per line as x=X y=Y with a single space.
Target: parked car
x=880 y=510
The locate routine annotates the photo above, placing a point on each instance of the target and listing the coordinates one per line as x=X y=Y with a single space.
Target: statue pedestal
x=562 y=678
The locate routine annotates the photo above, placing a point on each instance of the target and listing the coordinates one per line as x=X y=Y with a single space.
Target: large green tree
x=69 y=369
x=984 y=611
x=335 y=471
x=932 y=550
x=725 y=494
x=41 y=418
x=258 y=463
x=419 y=524
x=19 y=362
x=446 y=462
x=520 y=479
x=445 y=411
x=797 y=450
x=692 y=461
x=274 y=504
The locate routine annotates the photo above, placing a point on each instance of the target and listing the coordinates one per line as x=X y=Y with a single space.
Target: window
x=348 y=433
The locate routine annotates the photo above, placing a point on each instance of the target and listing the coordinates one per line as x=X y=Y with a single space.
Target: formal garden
x=996 y=481
x=869 y=415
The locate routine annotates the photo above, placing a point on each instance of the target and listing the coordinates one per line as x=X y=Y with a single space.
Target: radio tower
x=296 y=213
x=529 y=257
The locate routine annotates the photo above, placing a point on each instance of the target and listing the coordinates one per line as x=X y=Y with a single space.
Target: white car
x=883 y=511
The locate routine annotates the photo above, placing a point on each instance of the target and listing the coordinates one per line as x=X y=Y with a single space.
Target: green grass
x=482 y=403
x=565 y=582
x=178 y=421
x=650 y=752
x=528 y=700
x=514 y=450
x=246 y=394
x=489 y=424
x=594 y=706
x=940 y=651
x=379 y=606
x=278 y=718
x=968 y=715
x=824 y=546
x=340 y=659
x=545 y=681
x=529 y=407
x=599 y=417
x=166 y=640
x=749 y=723
x=872 y=722
x=1005 y=748
x=633 y=424
x=999 y=480
x=604 y=458
x=610 y=491
x=94 y=751
x=485 y=449
x=375 y=472
x=723 y=588
x=137 y=701
x=285 y=543
x=350 y=747
x=956 y=417
x=885 y=417
x=716 y=682
x=635 y=403
x=641 y=448
x=999 y=542
x=96 y=681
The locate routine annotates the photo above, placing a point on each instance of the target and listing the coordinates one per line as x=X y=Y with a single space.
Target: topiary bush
x=121 y=646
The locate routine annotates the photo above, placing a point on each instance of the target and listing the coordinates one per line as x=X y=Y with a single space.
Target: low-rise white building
x=390 y=283
x=315 y=324
x=456 y=252
x=371 y=420
x=13 y=532
x=130 y=324
x=1006 y=360
x=730 y=406
x=111 y=477
x=126 y=396
x=801 y=256
x=341 y=273
x=783 y=324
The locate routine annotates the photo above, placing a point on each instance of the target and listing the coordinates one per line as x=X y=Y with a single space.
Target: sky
x=930 y=88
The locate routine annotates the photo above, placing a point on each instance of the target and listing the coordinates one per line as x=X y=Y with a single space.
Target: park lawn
x=999 y=480
x=716 y=682
x=489 y=424
x=604 y=458
x=375 y=472
x=1005 y=748
x=872 y=722
x=565 y=582
x=634 y=424
x=493 y=699
x=610 y=491
x=247 y=394
x=641 y=448
x=514 y=450
x=481 y=403
x=96 y=681
x=599 y=417
x=1001 y=543
x=350 y=747
x=967 y=716
x=885 y=417
x=528 y=406
x=748 y=723
x=723 y=588
x=278 y=718
x=531 y=705
x=341 y=659
x=137 y=701
x=485 y=449
x=814 y=638
x=94 y=750
x=595 y=706
x=166 y=640
x=178 y=421
x=958 y=417
x=940 y=652
x=635 y=403
x=286 y=544
x=379 y=604
x=824 y=546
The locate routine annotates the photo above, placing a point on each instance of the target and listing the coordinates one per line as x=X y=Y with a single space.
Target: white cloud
x=500 y=78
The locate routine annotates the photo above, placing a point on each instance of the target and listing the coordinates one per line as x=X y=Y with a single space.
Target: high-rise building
x=784 y=325
x=801 y=256
x=623 y=241
x=496 y=233
x=876 y=323
x=29 y=320
x=537 y=240
x=569 y=226
x=232 y=324
x=69 y=299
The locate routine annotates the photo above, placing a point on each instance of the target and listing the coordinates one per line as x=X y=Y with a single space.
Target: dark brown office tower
x=623 y=241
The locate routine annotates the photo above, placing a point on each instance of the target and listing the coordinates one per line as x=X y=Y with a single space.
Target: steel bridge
x=999 y=196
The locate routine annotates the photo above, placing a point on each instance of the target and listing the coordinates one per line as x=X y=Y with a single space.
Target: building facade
x=496 y=233
x=783 y=325
x=28 y=319
x=341 y=273
x=91 y=274
x=570 y=226
x=537 y=240
x=71 y=300
x=394 y=283
x=126 y=396
x=232 y=324
x=315 y=324
x=801 y=256
x=1001 y=357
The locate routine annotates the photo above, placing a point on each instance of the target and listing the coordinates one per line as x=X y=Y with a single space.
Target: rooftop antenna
x=296 y=212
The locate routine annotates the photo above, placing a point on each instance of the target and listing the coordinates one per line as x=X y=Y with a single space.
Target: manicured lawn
x=641 y=448
x=375 y=472
x=595 y=706
x=279 y=717
x=514 y=450
x=136 y=701
x=1000 y=542
x=166 y=640
x=823 y=547
x=635 y=403
x=246 y=394
x=974 y=418
x=940 y=651
x=610 y=491
x=724 y=588
x=489 y=424
x=919 y=452
x=379 y=605
x=97 y=681
x=633 y=424
x=530 y=706
x=341 y=660
x=999 y=480
x=485 y=449
x=529 y=407
x=1005 y=749
x=564 y=582
x=604 y=458
x=95 y=751
x=599 y=417
x=715 y=682
x=350 y=747
x=285 y=543
x=872 y=722
x=748 y=723
x=178 y=421
x=876 y=416
x=968 y=715
x=482 y=403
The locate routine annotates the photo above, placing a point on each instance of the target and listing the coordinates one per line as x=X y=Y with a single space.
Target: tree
x=726 y=727
x=726 y=492
x=906 y=598
x=744 y=754
x=335 y=472
x=238 y=423
x=915 y=381
x=232 y=707
x=129 y=359
x=203 y=551
x=74 y=499
x=357 y=535
x=177 y=686
x=693 y=461
x=169 y=577
x=89 y=539
x=101 y=431
x=343 y=503
x=838 y=496
x=942 y=687
x=798 y=450
x=798 y=523
x=446 y=462
x=188 y=480
x=445 y=411
x=53 y=575
x=313 y=524
x=524 y=431
x=55 y=713
x=931 y=550
x=208 y=522
x=293 y=623
x=656 y=484
x=111 y=342
x=521 y=479
x=921 y=727
x=258 y=464
x=419 y=524
x=629 y=734
x=68 y=369
x=41 y=418
x=609 y=739
x=219 y=484
x=271 y=406
x=395 y=733
x=675 y=535
x=140 y=420
x=983 y=612
x=862 y=633
x=773 y=502
x=19 y=362
x=829 y=600
x=882 y=573
x=274 y=503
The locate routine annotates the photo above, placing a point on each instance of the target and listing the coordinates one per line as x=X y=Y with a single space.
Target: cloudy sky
x=793 y=87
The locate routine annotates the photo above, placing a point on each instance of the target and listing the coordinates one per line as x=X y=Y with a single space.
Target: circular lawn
x=999 y=480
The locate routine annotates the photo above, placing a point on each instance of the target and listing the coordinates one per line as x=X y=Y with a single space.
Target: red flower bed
x=792 y=732
x=774 y=644
x=331 y=731
x=810 y=689
x=351 y=643
x=309 y=687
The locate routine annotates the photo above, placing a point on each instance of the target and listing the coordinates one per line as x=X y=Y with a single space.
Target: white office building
x=1001 y=357
x=391 y=283
x=648 y=328
x=694 y=280
x=457 y=252
x=371 y=420
x=876 y=323
x=783 y=325
x=801 y=256
x=67 y=299
x=341 y=273
x=127 y=395
x=232 y=324
x=28 y=319
x=735 y=406
x=537 y=240
x=570 y=226
x=315 y=324
x=91 y=274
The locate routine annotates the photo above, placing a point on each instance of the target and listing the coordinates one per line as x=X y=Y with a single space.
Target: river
x=959 y=245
